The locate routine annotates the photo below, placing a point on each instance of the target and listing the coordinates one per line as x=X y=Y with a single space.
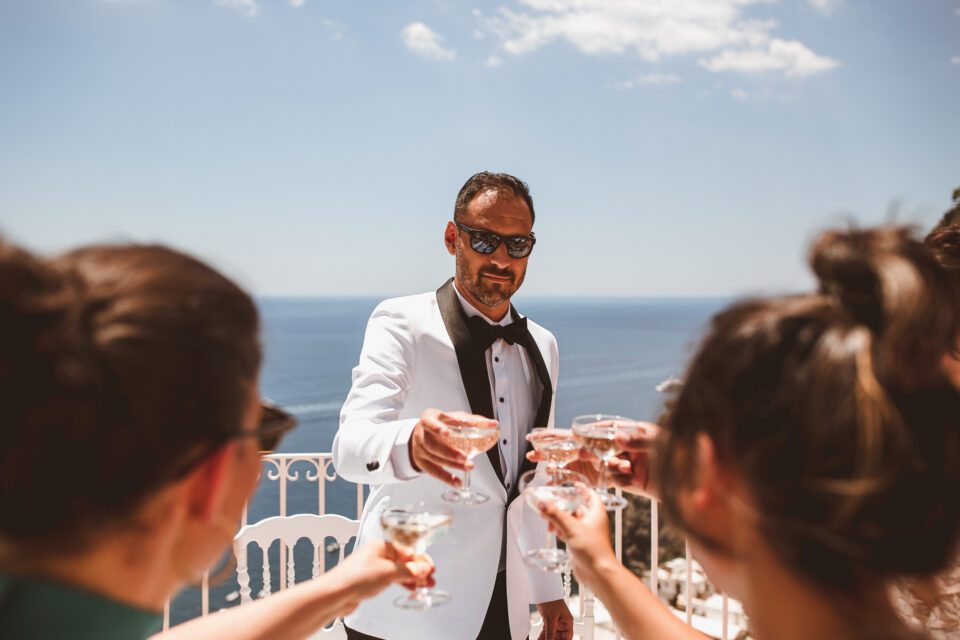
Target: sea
x=614 y=352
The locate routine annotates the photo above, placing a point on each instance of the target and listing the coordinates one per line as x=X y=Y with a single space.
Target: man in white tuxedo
x=461 y=354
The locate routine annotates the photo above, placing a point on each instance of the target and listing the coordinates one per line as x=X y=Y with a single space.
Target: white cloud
x=335 y=28
x=762 y=95
x=494 y=61
x=955 y=60
x=297 y=3
x=788 y=56
x=425 y=42
x=248 y=7
x=826 y=7
x=649 y=80
x=659 y=78
x=654 y=30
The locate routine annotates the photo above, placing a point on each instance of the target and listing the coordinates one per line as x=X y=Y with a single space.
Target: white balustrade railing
x=319 y=468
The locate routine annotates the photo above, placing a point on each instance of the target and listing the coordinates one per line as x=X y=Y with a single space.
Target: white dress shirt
x=515 y=394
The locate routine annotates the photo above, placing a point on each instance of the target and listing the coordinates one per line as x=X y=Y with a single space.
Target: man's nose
x=500 y=257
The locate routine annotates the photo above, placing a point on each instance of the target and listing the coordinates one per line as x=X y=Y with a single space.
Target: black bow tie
x=485 y=334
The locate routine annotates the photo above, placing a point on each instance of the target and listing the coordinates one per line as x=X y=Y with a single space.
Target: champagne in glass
x=557 y=447
x=560 y=488
x=415 y=528
x=597 y=433
x=470 y=440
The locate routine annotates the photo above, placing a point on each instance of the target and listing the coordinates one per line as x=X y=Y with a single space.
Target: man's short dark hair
x=486 y=181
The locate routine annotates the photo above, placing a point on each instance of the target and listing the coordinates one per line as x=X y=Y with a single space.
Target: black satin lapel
x=546 y=395
x=472 y=363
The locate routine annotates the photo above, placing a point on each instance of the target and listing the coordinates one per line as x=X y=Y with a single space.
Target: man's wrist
x=413 y=462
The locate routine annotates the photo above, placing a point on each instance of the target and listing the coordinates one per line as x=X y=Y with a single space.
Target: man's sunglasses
x=486 y=242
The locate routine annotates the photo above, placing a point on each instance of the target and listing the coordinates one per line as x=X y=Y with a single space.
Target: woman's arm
x=636 y=611
x=299 y=612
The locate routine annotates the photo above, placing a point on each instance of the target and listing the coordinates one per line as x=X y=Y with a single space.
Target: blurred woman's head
x=944 y=244
x=128 y=381
x=821 y=427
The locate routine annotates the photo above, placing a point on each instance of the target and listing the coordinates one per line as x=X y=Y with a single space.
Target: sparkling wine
x=416 y=531
x=416 y=527
x=559 y=450
x=601 y=441
x=565 y=497
x=472 y=440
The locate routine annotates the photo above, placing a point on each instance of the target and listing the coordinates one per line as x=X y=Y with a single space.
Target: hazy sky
x=673 y=147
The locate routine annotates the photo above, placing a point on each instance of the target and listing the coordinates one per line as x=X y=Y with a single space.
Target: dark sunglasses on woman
x=274 y=424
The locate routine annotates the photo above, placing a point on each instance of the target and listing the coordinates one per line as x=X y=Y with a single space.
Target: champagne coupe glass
x=597 y=434
x=470 y=440
x=557 y=447
x=415 y=528
x=558 y=487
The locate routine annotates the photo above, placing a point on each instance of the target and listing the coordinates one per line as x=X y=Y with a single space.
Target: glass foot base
x=551 y=560
x=462 y=496
x=422 y=599
x=611 y=501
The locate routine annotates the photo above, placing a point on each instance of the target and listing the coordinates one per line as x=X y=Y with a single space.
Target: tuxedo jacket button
x=373 y=466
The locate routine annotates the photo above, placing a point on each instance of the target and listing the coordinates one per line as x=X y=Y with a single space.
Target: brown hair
x=944 y=240
x=117 y=365
x=486 y=181
x=952 y=216
x=833 y=410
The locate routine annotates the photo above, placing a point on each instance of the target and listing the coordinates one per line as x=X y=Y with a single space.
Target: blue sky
x=673 y=147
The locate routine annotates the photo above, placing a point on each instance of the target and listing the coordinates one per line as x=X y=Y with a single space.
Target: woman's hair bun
x=885 y=279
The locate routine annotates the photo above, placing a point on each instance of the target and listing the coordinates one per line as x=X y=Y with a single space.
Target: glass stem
x=602 y=486
x=466 y=481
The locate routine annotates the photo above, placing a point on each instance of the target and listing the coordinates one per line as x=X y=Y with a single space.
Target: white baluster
x=243 y=575
x=291 y=570
x=726 y=612
x=689 y=585
x=283 y=511
x=266 y=571
x=589 y=621
x=654 y=547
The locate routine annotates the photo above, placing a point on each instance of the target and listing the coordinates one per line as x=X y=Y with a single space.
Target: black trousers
x=496 y=624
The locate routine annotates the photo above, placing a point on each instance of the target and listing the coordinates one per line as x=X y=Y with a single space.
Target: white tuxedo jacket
x=408 y=364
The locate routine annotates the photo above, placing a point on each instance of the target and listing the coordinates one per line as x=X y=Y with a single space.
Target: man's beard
x=492 y=294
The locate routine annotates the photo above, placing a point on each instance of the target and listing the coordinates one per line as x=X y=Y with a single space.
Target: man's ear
x=208 y=483
x=450 y=238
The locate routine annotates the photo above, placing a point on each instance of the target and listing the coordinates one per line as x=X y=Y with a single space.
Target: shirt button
x=504 y=442
x=508 y=485
x=496 y=359
x=501 y=398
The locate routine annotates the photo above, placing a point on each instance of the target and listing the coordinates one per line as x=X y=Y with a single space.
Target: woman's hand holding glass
x=586 y=534
x=375 y=566
x=412 y=529
x=630 y=469
x=559 y=488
